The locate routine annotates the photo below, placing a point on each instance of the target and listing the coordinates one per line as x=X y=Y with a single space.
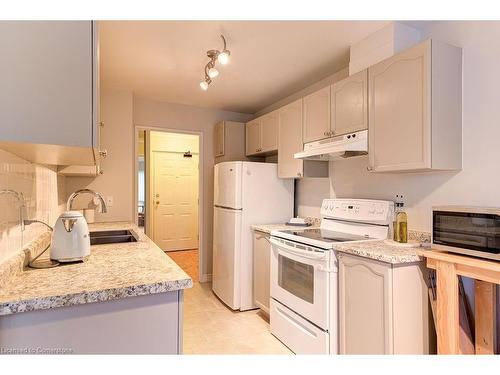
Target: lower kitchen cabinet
x=148 y=324
x=383 y=308
x=261 y=270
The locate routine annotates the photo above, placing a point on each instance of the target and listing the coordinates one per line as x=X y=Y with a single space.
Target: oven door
x=300 y=279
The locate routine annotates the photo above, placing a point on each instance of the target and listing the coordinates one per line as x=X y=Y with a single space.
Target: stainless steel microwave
x=471 y=231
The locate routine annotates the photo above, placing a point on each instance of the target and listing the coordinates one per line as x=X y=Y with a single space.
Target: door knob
x=157 y=195
x=157 y=202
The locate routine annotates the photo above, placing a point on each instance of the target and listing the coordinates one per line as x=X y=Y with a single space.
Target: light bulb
x=212 y=72
x=223 y=57
x=204 y=85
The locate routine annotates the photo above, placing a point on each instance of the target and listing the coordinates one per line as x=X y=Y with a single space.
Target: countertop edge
x=85 y=297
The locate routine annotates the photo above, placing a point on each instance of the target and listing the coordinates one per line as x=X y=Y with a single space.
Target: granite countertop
x=268 y=228
x=111 y=272
x=382 y=251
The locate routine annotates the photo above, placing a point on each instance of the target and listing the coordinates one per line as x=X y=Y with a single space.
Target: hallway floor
x=212 y=328
x=187 y=260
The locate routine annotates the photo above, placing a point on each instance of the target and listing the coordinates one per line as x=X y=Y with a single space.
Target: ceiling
x=164 y=60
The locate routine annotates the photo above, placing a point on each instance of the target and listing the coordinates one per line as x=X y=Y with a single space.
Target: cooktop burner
x=326 y=235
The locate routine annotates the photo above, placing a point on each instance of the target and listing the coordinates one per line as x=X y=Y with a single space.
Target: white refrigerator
x=245 y=193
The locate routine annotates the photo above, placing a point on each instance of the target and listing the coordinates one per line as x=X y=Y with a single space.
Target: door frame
x=201 y=185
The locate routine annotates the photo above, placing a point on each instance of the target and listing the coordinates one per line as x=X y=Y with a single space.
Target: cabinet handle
x=325 y=134
x=103 y=153
x=299 y=174
x=101 y=124
x=369 y=168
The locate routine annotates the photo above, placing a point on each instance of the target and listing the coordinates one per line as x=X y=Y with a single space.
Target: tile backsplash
x=43 y=192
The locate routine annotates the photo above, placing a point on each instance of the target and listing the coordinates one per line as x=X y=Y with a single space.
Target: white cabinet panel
x=410 y=128
x=383 y=308
x=49 y=90
x=290 y=140
x=317 y=115
x=253 y=137
x=349 y=99
x=269 y=132
x=219 y=139
x=261 y=270
x=365 y=301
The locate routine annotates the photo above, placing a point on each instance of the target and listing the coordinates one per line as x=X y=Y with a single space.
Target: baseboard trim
x=205 y=278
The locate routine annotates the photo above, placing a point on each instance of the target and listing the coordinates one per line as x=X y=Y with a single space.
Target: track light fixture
x=222 y=57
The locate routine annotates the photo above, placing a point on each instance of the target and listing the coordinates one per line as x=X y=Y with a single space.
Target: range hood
x=341 y=147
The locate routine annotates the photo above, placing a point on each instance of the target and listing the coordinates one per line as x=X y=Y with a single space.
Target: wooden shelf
x=486 y=274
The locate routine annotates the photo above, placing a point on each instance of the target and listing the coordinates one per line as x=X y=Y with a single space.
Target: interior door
x=175 y=200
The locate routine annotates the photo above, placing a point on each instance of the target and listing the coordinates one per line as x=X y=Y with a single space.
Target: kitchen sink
x=112 y=236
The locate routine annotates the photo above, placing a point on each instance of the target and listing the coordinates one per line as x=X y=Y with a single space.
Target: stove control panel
x=360 y=210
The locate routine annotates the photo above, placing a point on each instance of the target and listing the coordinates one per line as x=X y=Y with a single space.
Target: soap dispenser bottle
x=402 y=222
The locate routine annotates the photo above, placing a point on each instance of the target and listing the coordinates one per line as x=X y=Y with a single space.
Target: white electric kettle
x=70 y=239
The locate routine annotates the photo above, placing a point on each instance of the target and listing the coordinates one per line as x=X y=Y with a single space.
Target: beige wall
x=150 y=113
x=118 y=179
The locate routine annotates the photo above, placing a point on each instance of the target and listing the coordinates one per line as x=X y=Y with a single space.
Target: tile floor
x=212 y=328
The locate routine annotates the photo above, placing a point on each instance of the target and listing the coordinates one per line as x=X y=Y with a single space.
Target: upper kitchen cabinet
x=252 y=137
x=349 y=103
x=262 y=135
x=415 y=110
x=229 y=141
x=219 y=139
x=290 y=142
x=317 y=115
x=269 y=132
x=49 y=91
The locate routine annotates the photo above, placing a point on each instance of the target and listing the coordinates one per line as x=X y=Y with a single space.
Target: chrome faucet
x=81 y=191
x=22 y=206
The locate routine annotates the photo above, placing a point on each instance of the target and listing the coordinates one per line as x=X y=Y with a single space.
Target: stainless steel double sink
x=104 y=237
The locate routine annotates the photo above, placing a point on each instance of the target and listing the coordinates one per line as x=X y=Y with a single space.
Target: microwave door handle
x=292 y=250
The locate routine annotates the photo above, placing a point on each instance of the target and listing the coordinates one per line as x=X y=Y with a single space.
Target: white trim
x=201 y=188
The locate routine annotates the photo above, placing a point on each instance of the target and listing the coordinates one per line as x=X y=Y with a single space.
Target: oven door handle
x=292 y=250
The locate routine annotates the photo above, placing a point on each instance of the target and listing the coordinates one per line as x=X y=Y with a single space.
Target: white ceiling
x=164 y=60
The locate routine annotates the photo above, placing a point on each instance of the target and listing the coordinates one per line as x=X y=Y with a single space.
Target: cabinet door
x=269 y=141
x=317 y=115
x=399 y=111
x=219 y=139
x=46 y=74
x=290 y=140
x=365 y=306
x=253 y=137
x=261 y=270
x=350 y=104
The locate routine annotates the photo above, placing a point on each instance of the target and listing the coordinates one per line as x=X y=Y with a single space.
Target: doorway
x=168 y=188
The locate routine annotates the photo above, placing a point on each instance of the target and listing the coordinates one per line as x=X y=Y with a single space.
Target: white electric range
x=304 y=272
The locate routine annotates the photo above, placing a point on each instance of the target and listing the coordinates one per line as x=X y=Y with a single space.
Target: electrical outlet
x=109 y=201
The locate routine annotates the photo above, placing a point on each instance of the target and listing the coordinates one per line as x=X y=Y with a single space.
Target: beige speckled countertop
x=111 y=272
x=268 y=228
x=381 y=251
x=378 y=250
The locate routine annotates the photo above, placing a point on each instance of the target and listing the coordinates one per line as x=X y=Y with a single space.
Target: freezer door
x=227 y=185
x=226 y=256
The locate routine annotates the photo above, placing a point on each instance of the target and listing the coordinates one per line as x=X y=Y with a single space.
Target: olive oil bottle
x=395 y=231
x=402 y=223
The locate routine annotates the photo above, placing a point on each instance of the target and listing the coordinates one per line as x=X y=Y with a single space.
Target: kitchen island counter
x=112 y=271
